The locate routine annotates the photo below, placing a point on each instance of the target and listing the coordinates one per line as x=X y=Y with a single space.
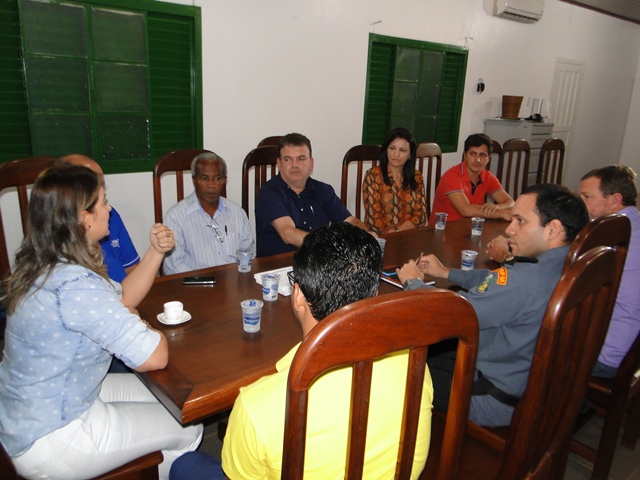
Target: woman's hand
x=161 y=238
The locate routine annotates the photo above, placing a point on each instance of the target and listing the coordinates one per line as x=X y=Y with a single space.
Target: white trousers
x=125 y=422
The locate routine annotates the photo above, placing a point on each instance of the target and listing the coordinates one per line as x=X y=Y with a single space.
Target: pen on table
x=225 y=230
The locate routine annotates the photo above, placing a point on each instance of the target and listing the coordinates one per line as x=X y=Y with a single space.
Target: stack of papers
x=284 y=288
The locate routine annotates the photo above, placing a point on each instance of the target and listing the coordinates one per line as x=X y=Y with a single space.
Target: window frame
x=156 y=14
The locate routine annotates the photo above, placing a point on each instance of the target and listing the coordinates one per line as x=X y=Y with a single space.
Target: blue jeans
x=196 y=466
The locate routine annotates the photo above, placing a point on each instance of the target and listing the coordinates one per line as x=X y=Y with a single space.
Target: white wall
x=273 y=67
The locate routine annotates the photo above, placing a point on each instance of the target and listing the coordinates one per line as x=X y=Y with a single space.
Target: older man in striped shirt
x=208 y=228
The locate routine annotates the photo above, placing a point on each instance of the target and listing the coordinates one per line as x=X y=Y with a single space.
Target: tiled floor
x=626 y=464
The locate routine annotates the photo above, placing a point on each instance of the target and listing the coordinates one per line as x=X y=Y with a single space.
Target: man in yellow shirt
x=335 y=266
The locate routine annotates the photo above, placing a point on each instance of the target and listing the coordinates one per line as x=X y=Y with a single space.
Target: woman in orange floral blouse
x=394 y=191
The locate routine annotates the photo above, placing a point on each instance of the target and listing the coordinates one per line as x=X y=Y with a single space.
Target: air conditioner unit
x=526 y=11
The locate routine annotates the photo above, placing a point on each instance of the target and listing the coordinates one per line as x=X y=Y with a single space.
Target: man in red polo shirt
x=463 y=189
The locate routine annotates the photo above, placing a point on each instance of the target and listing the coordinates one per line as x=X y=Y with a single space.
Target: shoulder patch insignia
x=486 y=282
x=502 y=276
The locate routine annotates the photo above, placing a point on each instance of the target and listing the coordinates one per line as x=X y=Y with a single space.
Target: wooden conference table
x=211 y=357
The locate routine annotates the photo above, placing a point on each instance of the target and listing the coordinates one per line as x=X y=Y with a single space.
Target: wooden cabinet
x=536 y=133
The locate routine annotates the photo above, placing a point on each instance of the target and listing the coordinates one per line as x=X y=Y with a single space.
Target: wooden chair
x=263 y=162
x=143 y=468
x=379 y=326
x=496 y=156
x=18 y=174
x=177 y=162
x=609 y=230
x=614 y=396
x=361 y=155
x=270 y=141
x=536 y=443
x=551 y=162
x=513 y=167
x=429 y=154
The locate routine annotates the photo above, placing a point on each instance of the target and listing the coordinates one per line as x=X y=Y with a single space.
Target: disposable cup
x=477 y=224
x=468 y=259
x=441 y=220
x=270 y=284
x=173 y=311
x=251 y=312
x=244 y=256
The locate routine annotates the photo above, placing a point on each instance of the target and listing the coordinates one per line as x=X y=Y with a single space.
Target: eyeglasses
x=216 y=229
x=290 y=277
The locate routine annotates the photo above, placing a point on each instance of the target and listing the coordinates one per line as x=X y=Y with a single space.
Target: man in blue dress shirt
x=292 y=204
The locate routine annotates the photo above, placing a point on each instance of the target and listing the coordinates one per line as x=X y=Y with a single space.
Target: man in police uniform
x=510 y=302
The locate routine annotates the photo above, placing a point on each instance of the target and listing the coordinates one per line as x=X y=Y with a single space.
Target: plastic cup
x=244 y=257
x=477 y=224
x=441 y=220
x=270 y=284
x=468 y=259
x=382 y=242
x=251 y=312
x=173 y=311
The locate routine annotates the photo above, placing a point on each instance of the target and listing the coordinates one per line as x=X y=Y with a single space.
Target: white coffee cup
x=173 y=311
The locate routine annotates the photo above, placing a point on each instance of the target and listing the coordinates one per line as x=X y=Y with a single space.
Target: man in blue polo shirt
x=292 y=204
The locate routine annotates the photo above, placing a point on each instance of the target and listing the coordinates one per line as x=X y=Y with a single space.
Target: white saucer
x=186 y=316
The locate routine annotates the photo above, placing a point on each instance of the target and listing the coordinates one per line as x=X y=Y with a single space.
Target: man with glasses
x=292 y=203
x=463 y=189
x=208 y=228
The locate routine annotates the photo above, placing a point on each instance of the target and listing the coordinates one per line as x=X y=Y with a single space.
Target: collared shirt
x=625 y=321
x=58 y=346
x=117 y=247
x=252 y=447
x=456 y=179
x=510 y=303
x=390 y=206
x=316 y=205
x=202 y=241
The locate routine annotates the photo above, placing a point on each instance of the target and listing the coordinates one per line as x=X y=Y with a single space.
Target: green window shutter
x=176 y=105
x=417 y=85
x=116 y=80
x=455 y=67
x=379 y=91
x=15 y=136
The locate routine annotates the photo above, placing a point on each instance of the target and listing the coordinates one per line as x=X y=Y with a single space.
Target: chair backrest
x=263 y=162
x=496 y=155
x=429 y=154
x=18 y=174
x=362 y=155
x=378 y=326
x=570 y=339
x=177 y=162
x=609 y=230
x=551 y=162
x=274 y=141
x=513 y=167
